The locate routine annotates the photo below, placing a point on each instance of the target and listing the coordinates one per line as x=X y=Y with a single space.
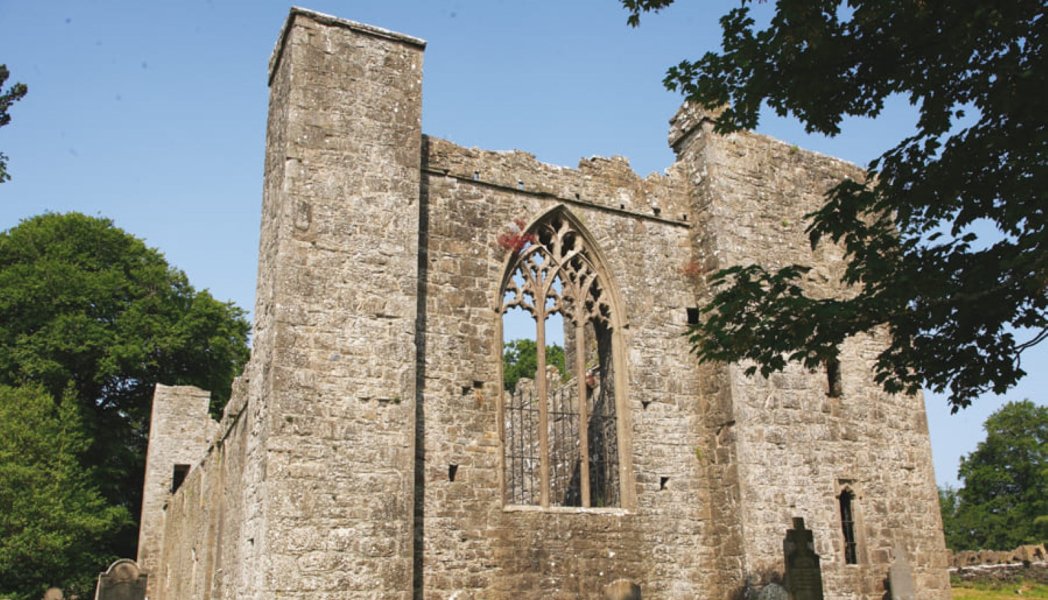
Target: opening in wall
x=693 y=316
x=560 y=429
x=846 y=499
x=178 y=476
x=834 y=384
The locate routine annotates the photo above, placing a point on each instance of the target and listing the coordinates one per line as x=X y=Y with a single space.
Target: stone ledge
x=569 y=510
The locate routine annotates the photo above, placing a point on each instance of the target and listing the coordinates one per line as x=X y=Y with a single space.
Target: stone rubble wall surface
x=340 y=401
x=318 y=472
x=1027 y=553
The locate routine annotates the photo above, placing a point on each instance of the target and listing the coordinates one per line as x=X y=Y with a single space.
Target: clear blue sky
x=153 y=113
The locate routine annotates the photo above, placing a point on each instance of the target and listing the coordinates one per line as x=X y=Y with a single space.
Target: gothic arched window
x=560 y=430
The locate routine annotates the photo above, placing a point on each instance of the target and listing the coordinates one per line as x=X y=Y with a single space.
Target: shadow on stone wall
x=767 y=582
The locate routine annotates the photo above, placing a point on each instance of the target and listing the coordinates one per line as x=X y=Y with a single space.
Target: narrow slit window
x=848 y=527
x=693 y=316
x=834 y=385
x=178 y=476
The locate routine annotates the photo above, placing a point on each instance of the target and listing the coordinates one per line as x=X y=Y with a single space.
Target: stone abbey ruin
x=370 y=449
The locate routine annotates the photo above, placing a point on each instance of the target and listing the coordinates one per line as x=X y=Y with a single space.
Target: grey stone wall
x=179 y=434
x=210 y=546
x=375 y=371
x=341 y=252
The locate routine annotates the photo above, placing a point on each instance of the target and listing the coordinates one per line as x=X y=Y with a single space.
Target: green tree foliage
x=950 y=300
x=1003 y=501
x=519 y=360
x=7 y=98
x=52 y=513
x=87 y=307
x=948 y=502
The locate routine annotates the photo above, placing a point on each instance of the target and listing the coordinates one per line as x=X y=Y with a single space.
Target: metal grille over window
x=560 y=431
x=848 y=526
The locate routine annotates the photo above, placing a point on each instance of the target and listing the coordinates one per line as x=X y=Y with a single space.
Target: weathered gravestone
x=622 y=589
x=900 y=577
x=803 y=575
x=773 y=591
x=122 y=581
x=54 y=594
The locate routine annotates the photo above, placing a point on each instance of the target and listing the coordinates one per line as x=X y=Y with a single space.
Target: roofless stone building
x=370 y=449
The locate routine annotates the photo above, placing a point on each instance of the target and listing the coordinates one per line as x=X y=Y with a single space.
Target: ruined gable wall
x=180 y=432
x=208 y=543
x=794 y=447
x=470 y=543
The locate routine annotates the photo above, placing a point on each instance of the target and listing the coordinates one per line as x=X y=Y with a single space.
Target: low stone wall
x=1007 y=573
x=1030 y=553
x=1025 y=563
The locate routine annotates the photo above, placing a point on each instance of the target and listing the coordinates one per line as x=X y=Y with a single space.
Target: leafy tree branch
x=945 y=238
x=8 y=97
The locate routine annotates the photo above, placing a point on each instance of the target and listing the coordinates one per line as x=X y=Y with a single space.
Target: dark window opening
x=663 y=482
x=452 y=472
x=848 y=527
x=834 y=385
x=693 y=316
x=178 y=476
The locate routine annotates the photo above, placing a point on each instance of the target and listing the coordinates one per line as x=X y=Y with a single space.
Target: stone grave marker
x=900 y=576
x=803 y=574
x=123 y=580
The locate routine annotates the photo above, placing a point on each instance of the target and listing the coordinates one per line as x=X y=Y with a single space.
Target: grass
x=999 y=591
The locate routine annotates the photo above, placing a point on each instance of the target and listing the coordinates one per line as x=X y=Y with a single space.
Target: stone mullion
x=580 y=378
x=540 y=385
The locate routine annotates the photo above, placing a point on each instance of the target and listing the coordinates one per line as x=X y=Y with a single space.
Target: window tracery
x=560 y=433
